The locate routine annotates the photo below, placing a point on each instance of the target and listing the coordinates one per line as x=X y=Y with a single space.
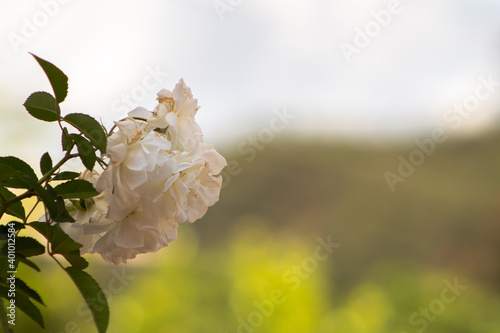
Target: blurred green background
x=252 y=264
x=422 y=258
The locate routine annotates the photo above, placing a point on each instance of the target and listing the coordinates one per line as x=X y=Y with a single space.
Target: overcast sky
x=244 y=59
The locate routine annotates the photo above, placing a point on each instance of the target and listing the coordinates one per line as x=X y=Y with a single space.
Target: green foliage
x=50 y=200
x=93 y=295
x=42 y=106
x=45 y=163
x=90 y=128
x=58 y=80
x=16 y=209
x=76 y=189
x=24 y=247
x=66 y=175
x=198 y=286
x=66 y=143
x=27 y=262
x=28 y=247
x=22 y=287
x=60 y=242
x=86 y=151
x=17 y=174
x=397 y=249
x=24 y=303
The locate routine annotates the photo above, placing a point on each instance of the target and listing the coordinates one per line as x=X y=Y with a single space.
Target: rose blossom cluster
x=160 y=174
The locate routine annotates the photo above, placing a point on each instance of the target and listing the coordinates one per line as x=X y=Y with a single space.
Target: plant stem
x=102 y=163
x=49 y=244
x=44 y=178
x=64 y=133
x=31 y=211
x=20 y=197
x=49 y=173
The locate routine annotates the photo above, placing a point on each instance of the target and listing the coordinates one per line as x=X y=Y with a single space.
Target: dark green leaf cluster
x=86 y=139
x=25 y=247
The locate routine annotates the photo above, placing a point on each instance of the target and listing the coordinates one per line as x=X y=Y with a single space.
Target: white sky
x=263 y=55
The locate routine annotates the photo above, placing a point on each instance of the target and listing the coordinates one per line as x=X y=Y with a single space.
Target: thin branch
x=101 y=162
x=32 y=209
x=49 y=173
x=62 y=130
x=49 y=243
x=12 y=201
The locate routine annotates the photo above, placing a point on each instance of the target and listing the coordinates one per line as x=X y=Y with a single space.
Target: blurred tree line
x=398 y=253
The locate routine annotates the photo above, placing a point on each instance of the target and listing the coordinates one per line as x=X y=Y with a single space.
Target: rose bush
x=155 y=173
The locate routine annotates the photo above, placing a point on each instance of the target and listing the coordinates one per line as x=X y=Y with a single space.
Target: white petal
x=140 y=112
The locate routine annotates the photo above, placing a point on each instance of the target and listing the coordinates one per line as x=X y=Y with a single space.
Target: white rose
x=117 y=241
x=135 y=155
x=175 y=112
x=138 y=233
x=90 y=223
x=193 y=187
x=160 y=174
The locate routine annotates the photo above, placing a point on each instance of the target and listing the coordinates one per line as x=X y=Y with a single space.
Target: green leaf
x=5 y=231
x=66 y=246
x=66 y=175
x=10 y=163
x=85 y=150
x=27 y=262
x=45 y=163
x=24 y=304
x=7 y=172
x=16 y=173
x=93 y=295
x=29 y=247
x=67 y=144
x=25 y=247
x=41 y=227
x=62 y=213
x=16 y=225
x=90 y=128
x=61 y=242
x=78 y=188
x=43 y=106
x=58 y=80
x=11 y=177
x=53 y=203
x=4 y=263
x=75 y=259
x=15 y=209
x=22 y=287
x=49 y=200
